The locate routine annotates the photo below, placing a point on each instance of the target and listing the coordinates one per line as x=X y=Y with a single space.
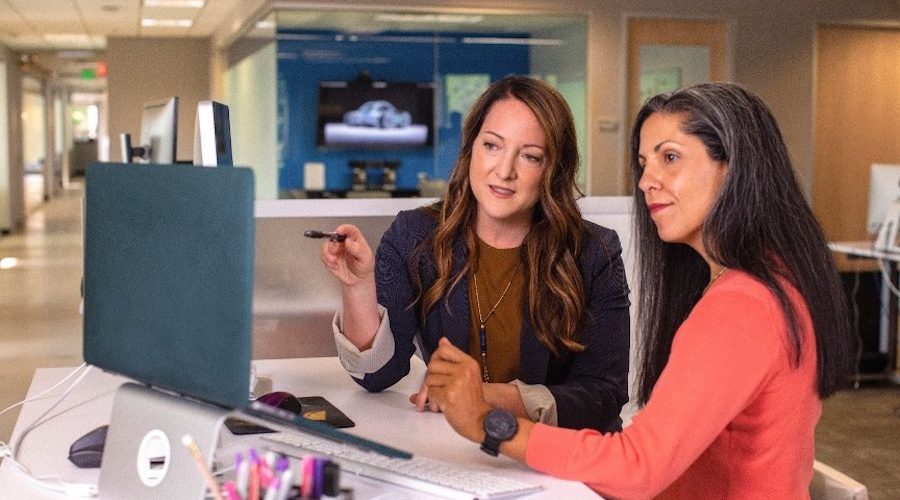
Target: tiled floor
x=40 y=326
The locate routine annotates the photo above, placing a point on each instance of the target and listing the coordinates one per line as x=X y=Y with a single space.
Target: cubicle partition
x=295 y=296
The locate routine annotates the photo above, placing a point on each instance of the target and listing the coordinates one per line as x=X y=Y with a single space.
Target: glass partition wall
x=369 y=103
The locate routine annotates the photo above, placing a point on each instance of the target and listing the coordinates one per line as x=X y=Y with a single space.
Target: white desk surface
x=387 y=417
x=862 y=249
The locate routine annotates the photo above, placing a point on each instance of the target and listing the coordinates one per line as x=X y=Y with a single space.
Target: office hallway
x=40 y=326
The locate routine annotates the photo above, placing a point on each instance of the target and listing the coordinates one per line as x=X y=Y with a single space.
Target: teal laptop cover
x=168 y=277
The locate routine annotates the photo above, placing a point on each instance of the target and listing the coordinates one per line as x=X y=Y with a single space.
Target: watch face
x=500 y=425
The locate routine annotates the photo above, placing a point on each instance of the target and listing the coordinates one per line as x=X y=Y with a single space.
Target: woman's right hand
x=351 y=261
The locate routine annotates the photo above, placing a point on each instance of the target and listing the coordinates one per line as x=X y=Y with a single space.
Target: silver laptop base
x=144 y=457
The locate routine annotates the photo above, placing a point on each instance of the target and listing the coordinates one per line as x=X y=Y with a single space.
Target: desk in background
x=888 y=326
x=387 y=417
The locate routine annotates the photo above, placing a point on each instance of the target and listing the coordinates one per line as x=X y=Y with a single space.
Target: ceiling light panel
x=149 y=22
x=56 y=42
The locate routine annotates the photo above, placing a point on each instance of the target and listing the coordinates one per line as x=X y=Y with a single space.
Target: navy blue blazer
x=590 y=387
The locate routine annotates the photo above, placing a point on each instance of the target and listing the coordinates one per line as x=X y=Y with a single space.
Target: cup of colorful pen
x=273 y=476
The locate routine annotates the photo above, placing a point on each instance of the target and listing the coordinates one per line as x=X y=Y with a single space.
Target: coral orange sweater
x=730 y=416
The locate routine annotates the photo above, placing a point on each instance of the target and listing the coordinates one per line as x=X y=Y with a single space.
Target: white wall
x=251 y=93
x=5 y=219
x=12 y=210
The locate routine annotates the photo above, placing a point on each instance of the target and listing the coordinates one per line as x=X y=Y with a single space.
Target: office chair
x=830 y=484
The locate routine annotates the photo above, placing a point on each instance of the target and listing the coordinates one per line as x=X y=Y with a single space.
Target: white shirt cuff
x=357 y=362
x=538 y=401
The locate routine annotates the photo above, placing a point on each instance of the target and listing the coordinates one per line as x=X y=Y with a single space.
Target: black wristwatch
x=499 y=426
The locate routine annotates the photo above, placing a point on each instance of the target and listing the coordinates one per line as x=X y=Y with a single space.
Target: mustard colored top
x=495 y=269
x=730 y=416
x=583 y=389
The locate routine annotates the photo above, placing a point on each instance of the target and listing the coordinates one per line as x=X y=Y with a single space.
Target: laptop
x=168 y=294
x=168 y=277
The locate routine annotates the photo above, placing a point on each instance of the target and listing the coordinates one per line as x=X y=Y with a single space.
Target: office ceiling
x=46 y=25
x=28 y=25
x=68 y=37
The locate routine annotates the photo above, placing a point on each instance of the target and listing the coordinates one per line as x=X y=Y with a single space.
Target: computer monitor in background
x=884 y=206
x=212 y=135
x=159 y=132
x=884 y=189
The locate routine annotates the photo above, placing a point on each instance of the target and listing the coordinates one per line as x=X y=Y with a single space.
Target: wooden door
x=707 y=37
x=857 y=123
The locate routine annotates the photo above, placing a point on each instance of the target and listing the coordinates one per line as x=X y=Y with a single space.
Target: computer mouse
x=87 y=451
x=284 y=400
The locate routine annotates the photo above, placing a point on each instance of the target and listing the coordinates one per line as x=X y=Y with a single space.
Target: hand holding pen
x=347 y=255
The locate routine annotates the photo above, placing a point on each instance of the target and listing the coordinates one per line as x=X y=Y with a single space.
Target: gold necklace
x=482 y=331
x=713 y=280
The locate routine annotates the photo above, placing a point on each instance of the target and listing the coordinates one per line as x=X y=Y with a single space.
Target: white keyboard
x=420 y=473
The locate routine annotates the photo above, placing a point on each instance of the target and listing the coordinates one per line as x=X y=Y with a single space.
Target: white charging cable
x=52 y=483
x=886 y=277
x=41 y=394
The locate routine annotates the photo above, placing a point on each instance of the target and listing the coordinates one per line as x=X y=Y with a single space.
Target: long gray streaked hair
x=760 y=223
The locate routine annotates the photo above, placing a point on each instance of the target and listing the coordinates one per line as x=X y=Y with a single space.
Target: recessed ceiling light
x=8 y=262
x=190 y=4
x=166 y=23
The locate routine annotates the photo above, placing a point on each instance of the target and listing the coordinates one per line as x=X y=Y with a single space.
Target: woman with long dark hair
x=742 y=317
x=504 y=266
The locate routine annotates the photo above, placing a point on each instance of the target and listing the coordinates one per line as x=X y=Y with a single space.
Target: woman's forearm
x=360 y=317
x=505 y=396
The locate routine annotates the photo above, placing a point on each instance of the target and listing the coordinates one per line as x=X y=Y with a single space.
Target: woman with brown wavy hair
x=504 y=267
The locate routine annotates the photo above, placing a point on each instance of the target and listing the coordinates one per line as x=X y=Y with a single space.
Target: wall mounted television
x=366 y=114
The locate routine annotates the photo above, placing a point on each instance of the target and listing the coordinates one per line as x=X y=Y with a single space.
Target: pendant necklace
x=713 y=280
x=482 y=331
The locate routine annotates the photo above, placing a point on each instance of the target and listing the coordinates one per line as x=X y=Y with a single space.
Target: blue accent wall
x=307 y=57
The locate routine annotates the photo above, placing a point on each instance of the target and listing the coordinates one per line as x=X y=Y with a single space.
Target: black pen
x=312 y=233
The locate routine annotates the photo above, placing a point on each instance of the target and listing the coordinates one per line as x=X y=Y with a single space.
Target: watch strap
x=490 y=446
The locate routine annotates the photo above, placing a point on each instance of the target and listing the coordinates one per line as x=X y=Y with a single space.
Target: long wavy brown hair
x=551 y=249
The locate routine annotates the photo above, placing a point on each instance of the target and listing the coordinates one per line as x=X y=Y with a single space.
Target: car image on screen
x=379 y=114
